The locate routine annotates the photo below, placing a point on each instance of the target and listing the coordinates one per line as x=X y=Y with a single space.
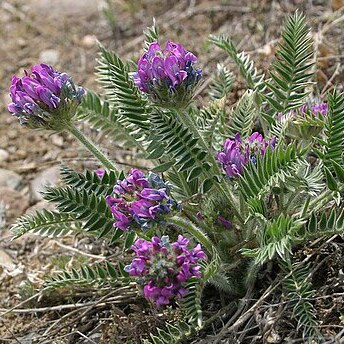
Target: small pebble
x=9 y=179
x=50 y=176
x=49 y=56
x=89 y=41
x=57 y=140
x=4 y=155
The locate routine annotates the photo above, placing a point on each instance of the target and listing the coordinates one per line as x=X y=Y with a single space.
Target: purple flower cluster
x=163 y=268
x=139 y=201
x=237 y=153
x=38 y=97
x=316 y=109
x=306 y=121
x=306 y=111
x=168 y=76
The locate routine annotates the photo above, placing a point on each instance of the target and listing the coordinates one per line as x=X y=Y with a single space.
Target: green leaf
x=89 y=180
x=339 y=170
x=299 y=291
x=269 y=171
x=102 y=116
x=222 y=83
x=331 y=182
x=47 y=223
x=207 y=185
x=212 y=122
x=163 y=167
x=90 y=208
x=182 y=149
x=101 y=274
x=243 y=117
x=151 y=34
x=291 y=72
x=255 y=81
x=332 y=144
x=113 y=74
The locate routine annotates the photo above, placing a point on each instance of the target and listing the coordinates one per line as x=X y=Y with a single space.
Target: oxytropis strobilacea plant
x=226 y=191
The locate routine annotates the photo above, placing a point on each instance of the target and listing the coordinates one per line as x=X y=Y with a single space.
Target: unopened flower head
x=305 y=122
x=168 y=75
x=139 y=201
x=100 y=173
x=163 y=268
x=224 y=222
x=238 y=152
x=317 y=109
x=44 y=98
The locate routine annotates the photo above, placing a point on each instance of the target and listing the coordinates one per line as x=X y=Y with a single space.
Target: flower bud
x=44 y=98
x=168 y=76
x=305 y=122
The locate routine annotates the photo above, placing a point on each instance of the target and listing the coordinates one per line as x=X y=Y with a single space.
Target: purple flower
x=143 y=208
x=225 y=223
x=305 y=122
x=163 y=268
x=44 y=98
x=153 y=194
x=237 y=153
x=100 y=172
x=139 y=201
x=168 y=76
x=306 y=111
x=321 y=108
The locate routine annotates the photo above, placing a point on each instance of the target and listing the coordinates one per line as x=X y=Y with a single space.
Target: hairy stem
x=92 y=147
x=223 y=188
x=194 y=231
x=290 y=202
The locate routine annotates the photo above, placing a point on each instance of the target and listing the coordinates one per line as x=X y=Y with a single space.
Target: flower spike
x=139 y=201
x=238 y=153
x=44 y=98
x=168 y=76
x=164 y=268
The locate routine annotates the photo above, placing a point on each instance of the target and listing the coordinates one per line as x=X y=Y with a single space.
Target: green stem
x=317 y=203
x=194 y=231
x=91 y=147
x=185 y=118
x=289 y=202
x=305 y=206
x=183 y=182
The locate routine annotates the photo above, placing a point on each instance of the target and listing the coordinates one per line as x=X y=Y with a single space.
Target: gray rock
x=6 y=261
x=40 y=206
x=50 y=176
x=4 y=155
x=57 y=140
x=15 y=202
x=9 y=179
x=2 y=214
x=89 y=41
x=49 y=56
x=64 y=7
